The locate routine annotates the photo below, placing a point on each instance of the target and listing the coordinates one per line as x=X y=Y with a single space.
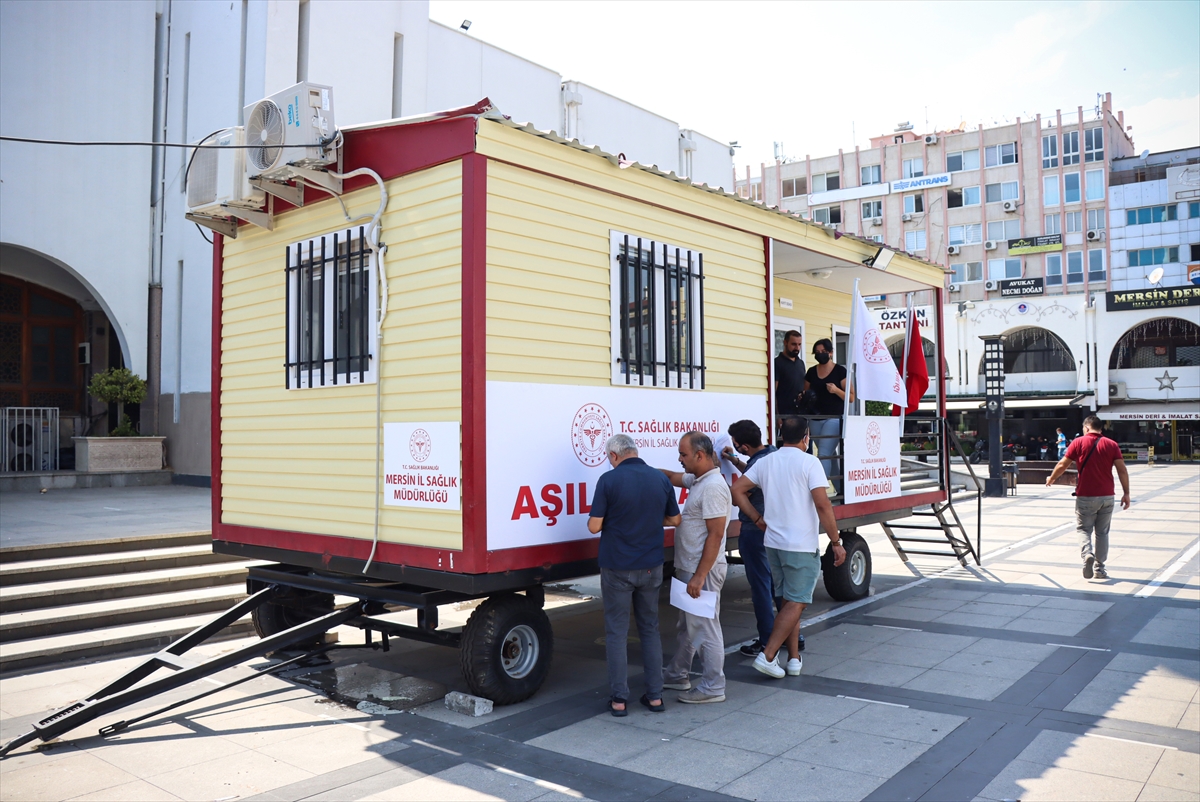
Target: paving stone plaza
x=1017 y=680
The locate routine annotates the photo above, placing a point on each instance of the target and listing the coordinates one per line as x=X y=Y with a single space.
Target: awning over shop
x=1179 y=410
x=964 y=404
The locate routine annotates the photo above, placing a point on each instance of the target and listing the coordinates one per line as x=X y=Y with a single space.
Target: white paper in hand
x=705 y=606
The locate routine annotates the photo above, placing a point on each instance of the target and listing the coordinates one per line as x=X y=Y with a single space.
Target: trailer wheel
x=506 y=649
x=852 y=579
x=293 y=607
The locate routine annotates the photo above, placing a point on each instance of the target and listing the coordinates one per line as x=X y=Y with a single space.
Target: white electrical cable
x=381 y=270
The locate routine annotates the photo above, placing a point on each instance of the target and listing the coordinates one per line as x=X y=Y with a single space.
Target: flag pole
x=853 y=383
x=904 y=366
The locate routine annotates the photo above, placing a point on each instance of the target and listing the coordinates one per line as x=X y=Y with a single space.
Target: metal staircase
x=941 y=533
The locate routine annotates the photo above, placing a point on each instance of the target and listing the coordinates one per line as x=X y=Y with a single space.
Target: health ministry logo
x=420 y=445
x=874 y=438
x=590 y=430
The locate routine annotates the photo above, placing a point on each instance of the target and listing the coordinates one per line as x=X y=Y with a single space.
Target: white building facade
x=1031 y=221
x=101 y=231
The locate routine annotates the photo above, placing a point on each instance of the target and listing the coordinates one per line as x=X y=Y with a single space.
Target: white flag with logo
x=875 y=374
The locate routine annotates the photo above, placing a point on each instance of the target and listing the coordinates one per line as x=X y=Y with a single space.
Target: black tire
x=852 y=579
x=506 y=649
x=291 y=608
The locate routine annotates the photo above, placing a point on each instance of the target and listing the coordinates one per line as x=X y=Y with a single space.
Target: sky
x=818 y=76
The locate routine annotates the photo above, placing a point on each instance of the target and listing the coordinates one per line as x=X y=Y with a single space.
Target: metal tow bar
x=121 y=692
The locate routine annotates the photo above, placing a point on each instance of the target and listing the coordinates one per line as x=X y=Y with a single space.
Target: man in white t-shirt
x=796 y=505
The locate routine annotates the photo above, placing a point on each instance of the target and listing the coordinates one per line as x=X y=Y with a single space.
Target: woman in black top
x=828 y=380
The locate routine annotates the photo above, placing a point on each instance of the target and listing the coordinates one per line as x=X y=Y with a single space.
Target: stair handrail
x=953 y=438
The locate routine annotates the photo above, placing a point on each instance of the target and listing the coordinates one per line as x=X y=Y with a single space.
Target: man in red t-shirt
x=1096 y=456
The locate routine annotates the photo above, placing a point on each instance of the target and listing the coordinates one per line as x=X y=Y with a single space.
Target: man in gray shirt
x=700 y=562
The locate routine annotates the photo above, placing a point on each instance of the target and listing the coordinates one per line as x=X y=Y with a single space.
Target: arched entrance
x=1164 y=342
x=1035 y=350
x=42 y=348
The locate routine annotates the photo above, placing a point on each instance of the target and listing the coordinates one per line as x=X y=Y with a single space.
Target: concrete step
x=146 y=637
x=140 y=583
x=50 y=551
x=122 y=562
x=53 y=621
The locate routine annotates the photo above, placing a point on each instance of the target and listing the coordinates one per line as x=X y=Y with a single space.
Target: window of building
x=1053 y=269
x=1095 y=219
x=967 y=272
x=828 y=215
x=1071 y=188
x=1070 y=148
x=1195 y=249
x=658 y=321
x=1193 y=209
x=1052 y=224
x=971 y=234
x=871 y=174
x=962 y=160
x=1049 y=151
x=1150 y=214
x=872 y=209
x=999 y=269
x=1050 y=190
x=330 y=311
x=997 y=155
x=1094 y=180
x=914 y=241
x=794 y=187
x=1002 y=230
x=1074 y=222
x=1075 y=267
x=756 y=191
x=1096 y=264
x=1093 y=145
x=913 y=168
x=914 y=204
x=1144 y=257
x=876 y=238
x=1001 y=192
x=826 y=182
x=1163 y=343
x=1036 y=350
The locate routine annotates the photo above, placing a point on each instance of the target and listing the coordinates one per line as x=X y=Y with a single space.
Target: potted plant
x=124 y=449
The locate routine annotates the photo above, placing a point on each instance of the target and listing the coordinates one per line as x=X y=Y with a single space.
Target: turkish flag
x=918 y=371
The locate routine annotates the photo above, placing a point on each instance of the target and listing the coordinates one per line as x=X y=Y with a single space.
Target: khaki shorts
x=794 y=573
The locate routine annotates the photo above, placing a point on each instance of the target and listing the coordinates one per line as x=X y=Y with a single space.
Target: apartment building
x=1032 y=222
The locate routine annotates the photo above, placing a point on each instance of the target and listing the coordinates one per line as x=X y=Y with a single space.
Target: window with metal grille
x=657 y=313
x=330 y=301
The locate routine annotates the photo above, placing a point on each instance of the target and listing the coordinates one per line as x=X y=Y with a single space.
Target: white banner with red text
x=545 y=448
x=421 y=465
x=872 y=453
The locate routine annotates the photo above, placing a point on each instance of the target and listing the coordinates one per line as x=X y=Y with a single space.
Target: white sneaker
x=794 y=666
x=769 y=667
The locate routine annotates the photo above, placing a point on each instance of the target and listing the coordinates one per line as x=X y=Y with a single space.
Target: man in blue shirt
x=632 y=505
x=747 y=441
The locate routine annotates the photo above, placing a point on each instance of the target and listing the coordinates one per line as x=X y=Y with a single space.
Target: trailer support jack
x=122 y=693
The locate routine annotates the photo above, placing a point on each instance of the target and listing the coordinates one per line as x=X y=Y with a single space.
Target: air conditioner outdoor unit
x=291 y=128
x=906 y=217
x=30 y=439
x=954 y=250
x=1093 y=235
x=955 y=287
x=1010 y=205
x=876 y=221
x=989 y=245
x=217 y=177
x=931 y=139
x=1117 y=391
x=991 y=286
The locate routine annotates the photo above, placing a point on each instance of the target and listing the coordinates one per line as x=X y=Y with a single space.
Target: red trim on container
x=353 y=548
x=474 y=363
x=215 y=380
x=767 y=254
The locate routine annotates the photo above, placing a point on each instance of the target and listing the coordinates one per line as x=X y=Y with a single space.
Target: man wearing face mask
x=789 y=376
x=828 y=379
x=747 y=441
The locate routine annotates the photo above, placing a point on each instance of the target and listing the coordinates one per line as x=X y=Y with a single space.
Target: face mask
x=822 y=357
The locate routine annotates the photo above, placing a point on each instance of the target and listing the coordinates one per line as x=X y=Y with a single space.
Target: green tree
x=119 y=386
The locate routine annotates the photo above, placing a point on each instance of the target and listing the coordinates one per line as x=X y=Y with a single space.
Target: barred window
x=657 y=313
x=331 y=301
